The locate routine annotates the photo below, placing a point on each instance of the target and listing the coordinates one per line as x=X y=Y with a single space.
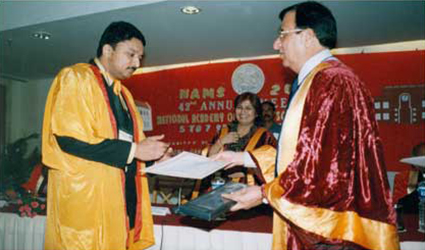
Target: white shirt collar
x=108 y=78
x=312 y=63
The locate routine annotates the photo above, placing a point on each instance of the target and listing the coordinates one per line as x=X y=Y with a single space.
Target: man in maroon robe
x=330 y=189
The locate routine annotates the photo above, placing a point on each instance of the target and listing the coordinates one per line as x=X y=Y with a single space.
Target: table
x=244 y=231
x=21 y=233
x=184 y=238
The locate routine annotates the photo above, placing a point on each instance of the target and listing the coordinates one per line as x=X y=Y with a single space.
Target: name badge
x=124 y=136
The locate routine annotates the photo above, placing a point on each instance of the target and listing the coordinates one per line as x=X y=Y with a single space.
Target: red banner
x=189 y=104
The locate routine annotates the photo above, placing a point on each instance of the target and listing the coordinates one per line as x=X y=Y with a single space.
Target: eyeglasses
x=283 y=33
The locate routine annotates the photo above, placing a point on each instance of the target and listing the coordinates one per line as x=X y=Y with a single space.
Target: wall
x=2 y=116
x=24 y=107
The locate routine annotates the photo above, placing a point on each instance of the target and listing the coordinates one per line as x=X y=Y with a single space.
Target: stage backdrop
x=189 y=104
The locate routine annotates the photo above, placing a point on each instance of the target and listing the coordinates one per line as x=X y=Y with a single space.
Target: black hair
x=270 y=104
x=117 y=32
x=317 y=17
x=255 y=102
x=416 y=151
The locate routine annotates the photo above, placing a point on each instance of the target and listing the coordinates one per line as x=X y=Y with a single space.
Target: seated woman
x=243 y=134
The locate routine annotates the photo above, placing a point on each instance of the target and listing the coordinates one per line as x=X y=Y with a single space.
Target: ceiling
x=223 y=29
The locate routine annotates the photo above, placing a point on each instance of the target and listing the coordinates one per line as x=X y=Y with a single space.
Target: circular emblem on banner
x=247 y=77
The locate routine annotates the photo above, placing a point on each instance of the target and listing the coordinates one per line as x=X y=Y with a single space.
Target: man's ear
x=310 y=37
x=107 y=50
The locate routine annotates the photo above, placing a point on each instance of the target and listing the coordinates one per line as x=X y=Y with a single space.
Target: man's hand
x=167 y=155
x=246 y=198
x=151 y=148
x=233 y=158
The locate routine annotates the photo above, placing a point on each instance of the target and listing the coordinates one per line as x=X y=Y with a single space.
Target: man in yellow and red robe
x=95 y=149
x=330 y=189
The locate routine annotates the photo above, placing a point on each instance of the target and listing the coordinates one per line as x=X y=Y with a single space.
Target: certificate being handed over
x=186 y=165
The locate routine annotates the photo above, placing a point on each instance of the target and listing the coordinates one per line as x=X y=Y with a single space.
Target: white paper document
x=186 y=165
x=418 y=161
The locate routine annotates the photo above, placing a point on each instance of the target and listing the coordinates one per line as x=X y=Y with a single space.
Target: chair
x=170 y=190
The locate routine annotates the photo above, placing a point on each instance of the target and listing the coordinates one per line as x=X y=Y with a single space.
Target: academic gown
x=86 y=202
x=332 y=187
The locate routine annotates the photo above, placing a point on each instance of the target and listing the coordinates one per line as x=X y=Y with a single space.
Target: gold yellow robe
x=332 y=187
x=86 y=206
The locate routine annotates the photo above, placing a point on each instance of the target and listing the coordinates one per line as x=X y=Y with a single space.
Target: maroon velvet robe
x=334 y=187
